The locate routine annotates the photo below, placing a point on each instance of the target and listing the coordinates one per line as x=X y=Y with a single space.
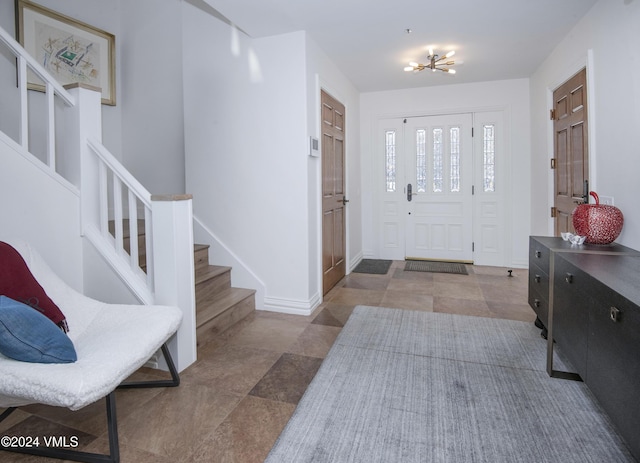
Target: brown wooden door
x=333 y=192
x=571 y=149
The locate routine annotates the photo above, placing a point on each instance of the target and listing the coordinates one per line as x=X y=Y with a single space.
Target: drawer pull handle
x=614 y=314
x=538 y=254
x=537 y=278
x=568 y=278
x=536 y=302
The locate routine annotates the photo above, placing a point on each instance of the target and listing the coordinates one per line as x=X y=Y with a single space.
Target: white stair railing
x=123 y=205
x=110 y=194
x=53 y=90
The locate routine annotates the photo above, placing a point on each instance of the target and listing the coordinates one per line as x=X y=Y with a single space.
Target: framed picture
x=71 y=51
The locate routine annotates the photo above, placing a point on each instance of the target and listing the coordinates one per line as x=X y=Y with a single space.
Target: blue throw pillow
x=29 y=336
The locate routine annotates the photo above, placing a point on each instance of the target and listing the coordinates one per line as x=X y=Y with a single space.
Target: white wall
x=607 y=40
x=511 y=96
x=246 y=142
x=151 y=93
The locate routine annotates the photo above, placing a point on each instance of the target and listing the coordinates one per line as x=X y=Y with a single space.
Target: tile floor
x=234 y=401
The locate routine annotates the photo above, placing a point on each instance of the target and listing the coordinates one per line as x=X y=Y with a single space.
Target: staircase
x=218 y=305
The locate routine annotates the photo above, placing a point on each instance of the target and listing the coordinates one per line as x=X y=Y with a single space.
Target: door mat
x=435 y=267
x=375 y=266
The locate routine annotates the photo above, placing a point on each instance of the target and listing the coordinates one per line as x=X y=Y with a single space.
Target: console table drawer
x=540 y=306
x=539 y=282
x=539 y=255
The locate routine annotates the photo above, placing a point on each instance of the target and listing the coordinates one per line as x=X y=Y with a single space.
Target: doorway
x=440 y=188
x=334 y=200
x=571 y=150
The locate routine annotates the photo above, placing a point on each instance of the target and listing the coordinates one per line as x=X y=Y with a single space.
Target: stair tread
x=209 y=272
x=209 y=309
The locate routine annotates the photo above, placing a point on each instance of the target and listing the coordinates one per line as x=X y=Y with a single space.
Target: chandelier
x=436 y=63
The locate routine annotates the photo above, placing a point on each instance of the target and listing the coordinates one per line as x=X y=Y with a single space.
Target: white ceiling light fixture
x=436 y=63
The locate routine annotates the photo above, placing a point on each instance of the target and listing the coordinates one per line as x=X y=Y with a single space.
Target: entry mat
x=435 y=267
x=375 y=266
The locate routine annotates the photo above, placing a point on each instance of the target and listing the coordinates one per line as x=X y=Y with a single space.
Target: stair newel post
x=173 y=269
x=83 y=122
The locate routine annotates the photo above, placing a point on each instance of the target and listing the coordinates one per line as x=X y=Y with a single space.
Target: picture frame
x=72 y=51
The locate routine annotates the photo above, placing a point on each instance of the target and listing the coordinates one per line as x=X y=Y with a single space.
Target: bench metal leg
x=112 y=426
x=76 y=455
x=173 y=382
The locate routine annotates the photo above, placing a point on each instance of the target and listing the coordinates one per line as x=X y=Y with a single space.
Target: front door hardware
x=344 y=200
x=409 y=194
x=614 y=314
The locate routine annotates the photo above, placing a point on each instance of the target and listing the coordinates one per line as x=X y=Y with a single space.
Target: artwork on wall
x=71 y=51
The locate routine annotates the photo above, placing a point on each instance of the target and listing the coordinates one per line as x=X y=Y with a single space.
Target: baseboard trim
x=292 y=306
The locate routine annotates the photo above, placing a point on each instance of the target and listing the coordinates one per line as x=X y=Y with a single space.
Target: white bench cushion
x=111 y=340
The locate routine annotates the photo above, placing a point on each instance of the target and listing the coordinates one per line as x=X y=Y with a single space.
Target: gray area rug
x=410 y=386
x=375 y=266
x=435 y=267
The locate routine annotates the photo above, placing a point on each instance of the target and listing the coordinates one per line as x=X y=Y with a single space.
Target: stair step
x=200 y=256
x=215 y=316
x=210 y=280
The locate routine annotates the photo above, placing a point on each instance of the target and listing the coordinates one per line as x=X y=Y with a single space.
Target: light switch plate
x=314 y=148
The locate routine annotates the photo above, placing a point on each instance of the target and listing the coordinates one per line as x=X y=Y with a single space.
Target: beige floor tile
x=315 y=341
x=407 y=300
x=177 y=420
x=414 y=286
x=247 y=434
x=270 y=332
x=355 y=297
x=233 y=368
x=458 y=290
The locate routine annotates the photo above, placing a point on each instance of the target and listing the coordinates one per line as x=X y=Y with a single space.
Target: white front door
x=426 y=208
x=438 y=185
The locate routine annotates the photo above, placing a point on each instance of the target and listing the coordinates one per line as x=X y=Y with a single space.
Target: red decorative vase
x=600 y=223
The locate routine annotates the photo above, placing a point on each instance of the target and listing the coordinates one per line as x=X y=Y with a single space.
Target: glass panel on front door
x=489 y=158
x=445 y=161
x=390 y=160
x=454 y=157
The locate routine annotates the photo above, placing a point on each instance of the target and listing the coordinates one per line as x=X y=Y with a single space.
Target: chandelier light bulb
x=450 y=54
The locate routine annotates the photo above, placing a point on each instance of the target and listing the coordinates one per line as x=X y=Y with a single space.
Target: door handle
x=409 y=194
x=344 y=200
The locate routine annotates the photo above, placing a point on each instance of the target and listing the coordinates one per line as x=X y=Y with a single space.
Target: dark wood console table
x=588 y=298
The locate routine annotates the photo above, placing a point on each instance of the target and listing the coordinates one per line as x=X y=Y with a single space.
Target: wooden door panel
x=338 y=168
x=562 y=164
x=578 y=174
x=333 y=192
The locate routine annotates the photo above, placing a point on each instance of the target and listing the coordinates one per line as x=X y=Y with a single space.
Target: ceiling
x=368 y=39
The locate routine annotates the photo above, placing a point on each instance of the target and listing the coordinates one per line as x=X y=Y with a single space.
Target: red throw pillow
x=17 y=282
